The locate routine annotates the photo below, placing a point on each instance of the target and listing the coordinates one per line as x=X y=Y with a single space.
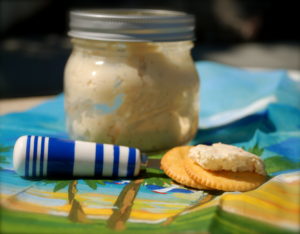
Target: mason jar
x=130 y=79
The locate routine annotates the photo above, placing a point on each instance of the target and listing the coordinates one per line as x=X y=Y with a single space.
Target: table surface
x=20 y=104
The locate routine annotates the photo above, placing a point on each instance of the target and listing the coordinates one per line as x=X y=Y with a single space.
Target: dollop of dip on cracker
x=225 y=157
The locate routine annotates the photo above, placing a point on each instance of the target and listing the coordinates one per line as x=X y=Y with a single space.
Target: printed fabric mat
x=256 y=110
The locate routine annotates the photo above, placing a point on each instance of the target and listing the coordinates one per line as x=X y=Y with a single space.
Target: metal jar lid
x=132 y=25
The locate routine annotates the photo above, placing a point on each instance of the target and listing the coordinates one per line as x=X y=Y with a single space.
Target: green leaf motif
x=5 y=148
x=49 y=181
x=91 y=183
x=154 y=176
x=101 y=182
x=3 y=159
x=157 y=156
x=278 y=163
x=61 y=184
x=157 y=181
x=275 y=163
x=155 y=171
x=256 y=150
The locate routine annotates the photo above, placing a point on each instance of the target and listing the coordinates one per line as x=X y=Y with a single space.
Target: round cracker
x=223 y=180
x=172 y=164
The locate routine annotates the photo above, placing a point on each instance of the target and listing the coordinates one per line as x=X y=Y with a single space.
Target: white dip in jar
x=130 y=79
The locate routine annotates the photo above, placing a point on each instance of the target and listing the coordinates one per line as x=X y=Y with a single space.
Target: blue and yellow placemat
x=257 y=110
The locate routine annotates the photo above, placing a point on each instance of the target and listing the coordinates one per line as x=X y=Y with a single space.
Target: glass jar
x=133 y=83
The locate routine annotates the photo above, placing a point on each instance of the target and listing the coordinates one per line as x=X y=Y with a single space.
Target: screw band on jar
x=135 y=25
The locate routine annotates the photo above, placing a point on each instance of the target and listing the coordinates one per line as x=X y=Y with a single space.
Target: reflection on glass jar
x=142 y=94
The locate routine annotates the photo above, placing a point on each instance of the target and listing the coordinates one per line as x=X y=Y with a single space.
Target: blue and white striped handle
x=38 y=156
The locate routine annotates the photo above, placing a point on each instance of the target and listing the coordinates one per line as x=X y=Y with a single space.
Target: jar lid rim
x=132 y=25
x=129 y=13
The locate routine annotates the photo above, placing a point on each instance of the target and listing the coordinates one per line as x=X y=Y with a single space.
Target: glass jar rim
x=132 y=25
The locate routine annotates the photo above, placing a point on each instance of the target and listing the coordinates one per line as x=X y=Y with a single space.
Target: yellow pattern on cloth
x=276 y=202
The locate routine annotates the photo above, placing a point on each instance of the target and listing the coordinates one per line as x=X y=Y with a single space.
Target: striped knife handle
x=38 y=156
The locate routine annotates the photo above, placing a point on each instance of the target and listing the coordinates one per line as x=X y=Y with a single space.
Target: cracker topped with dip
x=219 y=166
x=225 y=157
